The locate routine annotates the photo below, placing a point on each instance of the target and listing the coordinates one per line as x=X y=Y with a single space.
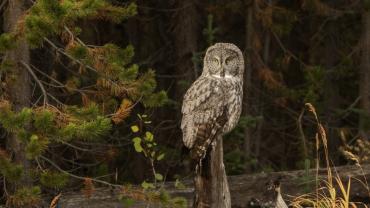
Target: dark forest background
x=297 y=52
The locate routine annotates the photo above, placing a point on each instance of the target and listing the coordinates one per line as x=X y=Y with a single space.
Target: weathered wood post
x=211 y=187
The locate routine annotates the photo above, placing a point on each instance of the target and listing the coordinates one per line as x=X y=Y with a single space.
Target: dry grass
x=332 y=192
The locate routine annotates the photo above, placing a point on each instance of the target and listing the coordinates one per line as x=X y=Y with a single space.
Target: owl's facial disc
x=215 y=64
x=231 y=65
x=218 y=60
x=218 y=67
x=230 y=59
x=223 y=63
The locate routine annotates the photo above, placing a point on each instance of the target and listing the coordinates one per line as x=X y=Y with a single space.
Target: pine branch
x=57 y=83
x=67 y=55
x=79 y=177
x=73 y=146
x=73 y=36
x=38 y=82
x=79 y=62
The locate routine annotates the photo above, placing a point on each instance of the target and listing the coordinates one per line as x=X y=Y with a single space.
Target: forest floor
x=246 y=188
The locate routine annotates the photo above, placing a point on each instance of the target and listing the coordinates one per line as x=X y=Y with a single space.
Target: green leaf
x=128 y=202
x=179 y=185
x=136 y=140
x=138 y=147
x=134 y=128
x=137 y=144
x=147 y=185
x=158 y=176
x=179 y=201
x=149 y=136
x=161 y=156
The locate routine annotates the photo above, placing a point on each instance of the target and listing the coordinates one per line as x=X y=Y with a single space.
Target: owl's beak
x=222 y=71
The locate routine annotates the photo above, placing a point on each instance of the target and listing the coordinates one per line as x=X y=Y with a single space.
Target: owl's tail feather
x=205 y=136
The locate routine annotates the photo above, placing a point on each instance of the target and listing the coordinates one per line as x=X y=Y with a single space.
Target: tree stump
x=211 y=187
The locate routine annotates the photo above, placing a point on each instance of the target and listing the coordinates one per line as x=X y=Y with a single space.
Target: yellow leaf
x=134 y=128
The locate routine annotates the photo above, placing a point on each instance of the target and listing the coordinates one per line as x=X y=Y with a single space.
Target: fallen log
x=243 y=188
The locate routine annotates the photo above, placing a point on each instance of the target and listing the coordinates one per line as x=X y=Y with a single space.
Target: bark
x=19 y=87
x=186 y=26
x=365 y=77
x=252 y=102
x=332 y=99
x=248 y=77
x=211 y=187
x=243 y=188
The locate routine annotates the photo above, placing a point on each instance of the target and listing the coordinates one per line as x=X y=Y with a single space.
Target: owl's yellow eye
x=229 y=60
x=215 y=60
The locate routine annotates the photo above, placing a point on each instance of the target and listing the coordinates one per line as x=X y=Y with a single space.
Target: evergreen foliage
x=13 y=121
x=6 y=42
x=48 y=17
x=53 y=179
x=44 y=121
x=36 y=146
x=25 y=197
x=95 y=83
x=10 y=171
x=90 y=130
x=106 y=71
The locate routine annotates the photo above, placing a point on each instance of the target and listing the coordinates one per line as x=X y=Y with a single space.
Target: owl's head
x=223 y=60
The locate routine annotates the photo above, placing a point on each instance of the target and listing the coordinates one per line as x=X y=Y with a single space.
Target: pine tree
x=97 y=91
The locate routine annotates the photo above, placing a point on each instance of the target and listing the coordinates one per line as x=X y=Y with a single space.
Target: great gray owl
x=212 y=105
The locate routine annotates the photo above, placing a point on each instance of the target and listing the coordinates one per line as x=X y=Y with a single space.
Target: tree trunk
x=365 y=77
x=332 y=99
x=186 y=30
x=248 y=77
x=211 y=187
x=251 y=97
x=19 y=87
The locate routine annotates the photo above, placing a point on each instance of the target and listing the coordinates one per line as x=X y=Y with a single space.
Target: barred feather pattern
x=212 y=105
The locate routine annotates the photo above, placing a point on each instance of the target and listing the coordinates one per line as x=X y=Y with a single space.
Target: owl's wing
x=206 y=134
x=204 y=114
